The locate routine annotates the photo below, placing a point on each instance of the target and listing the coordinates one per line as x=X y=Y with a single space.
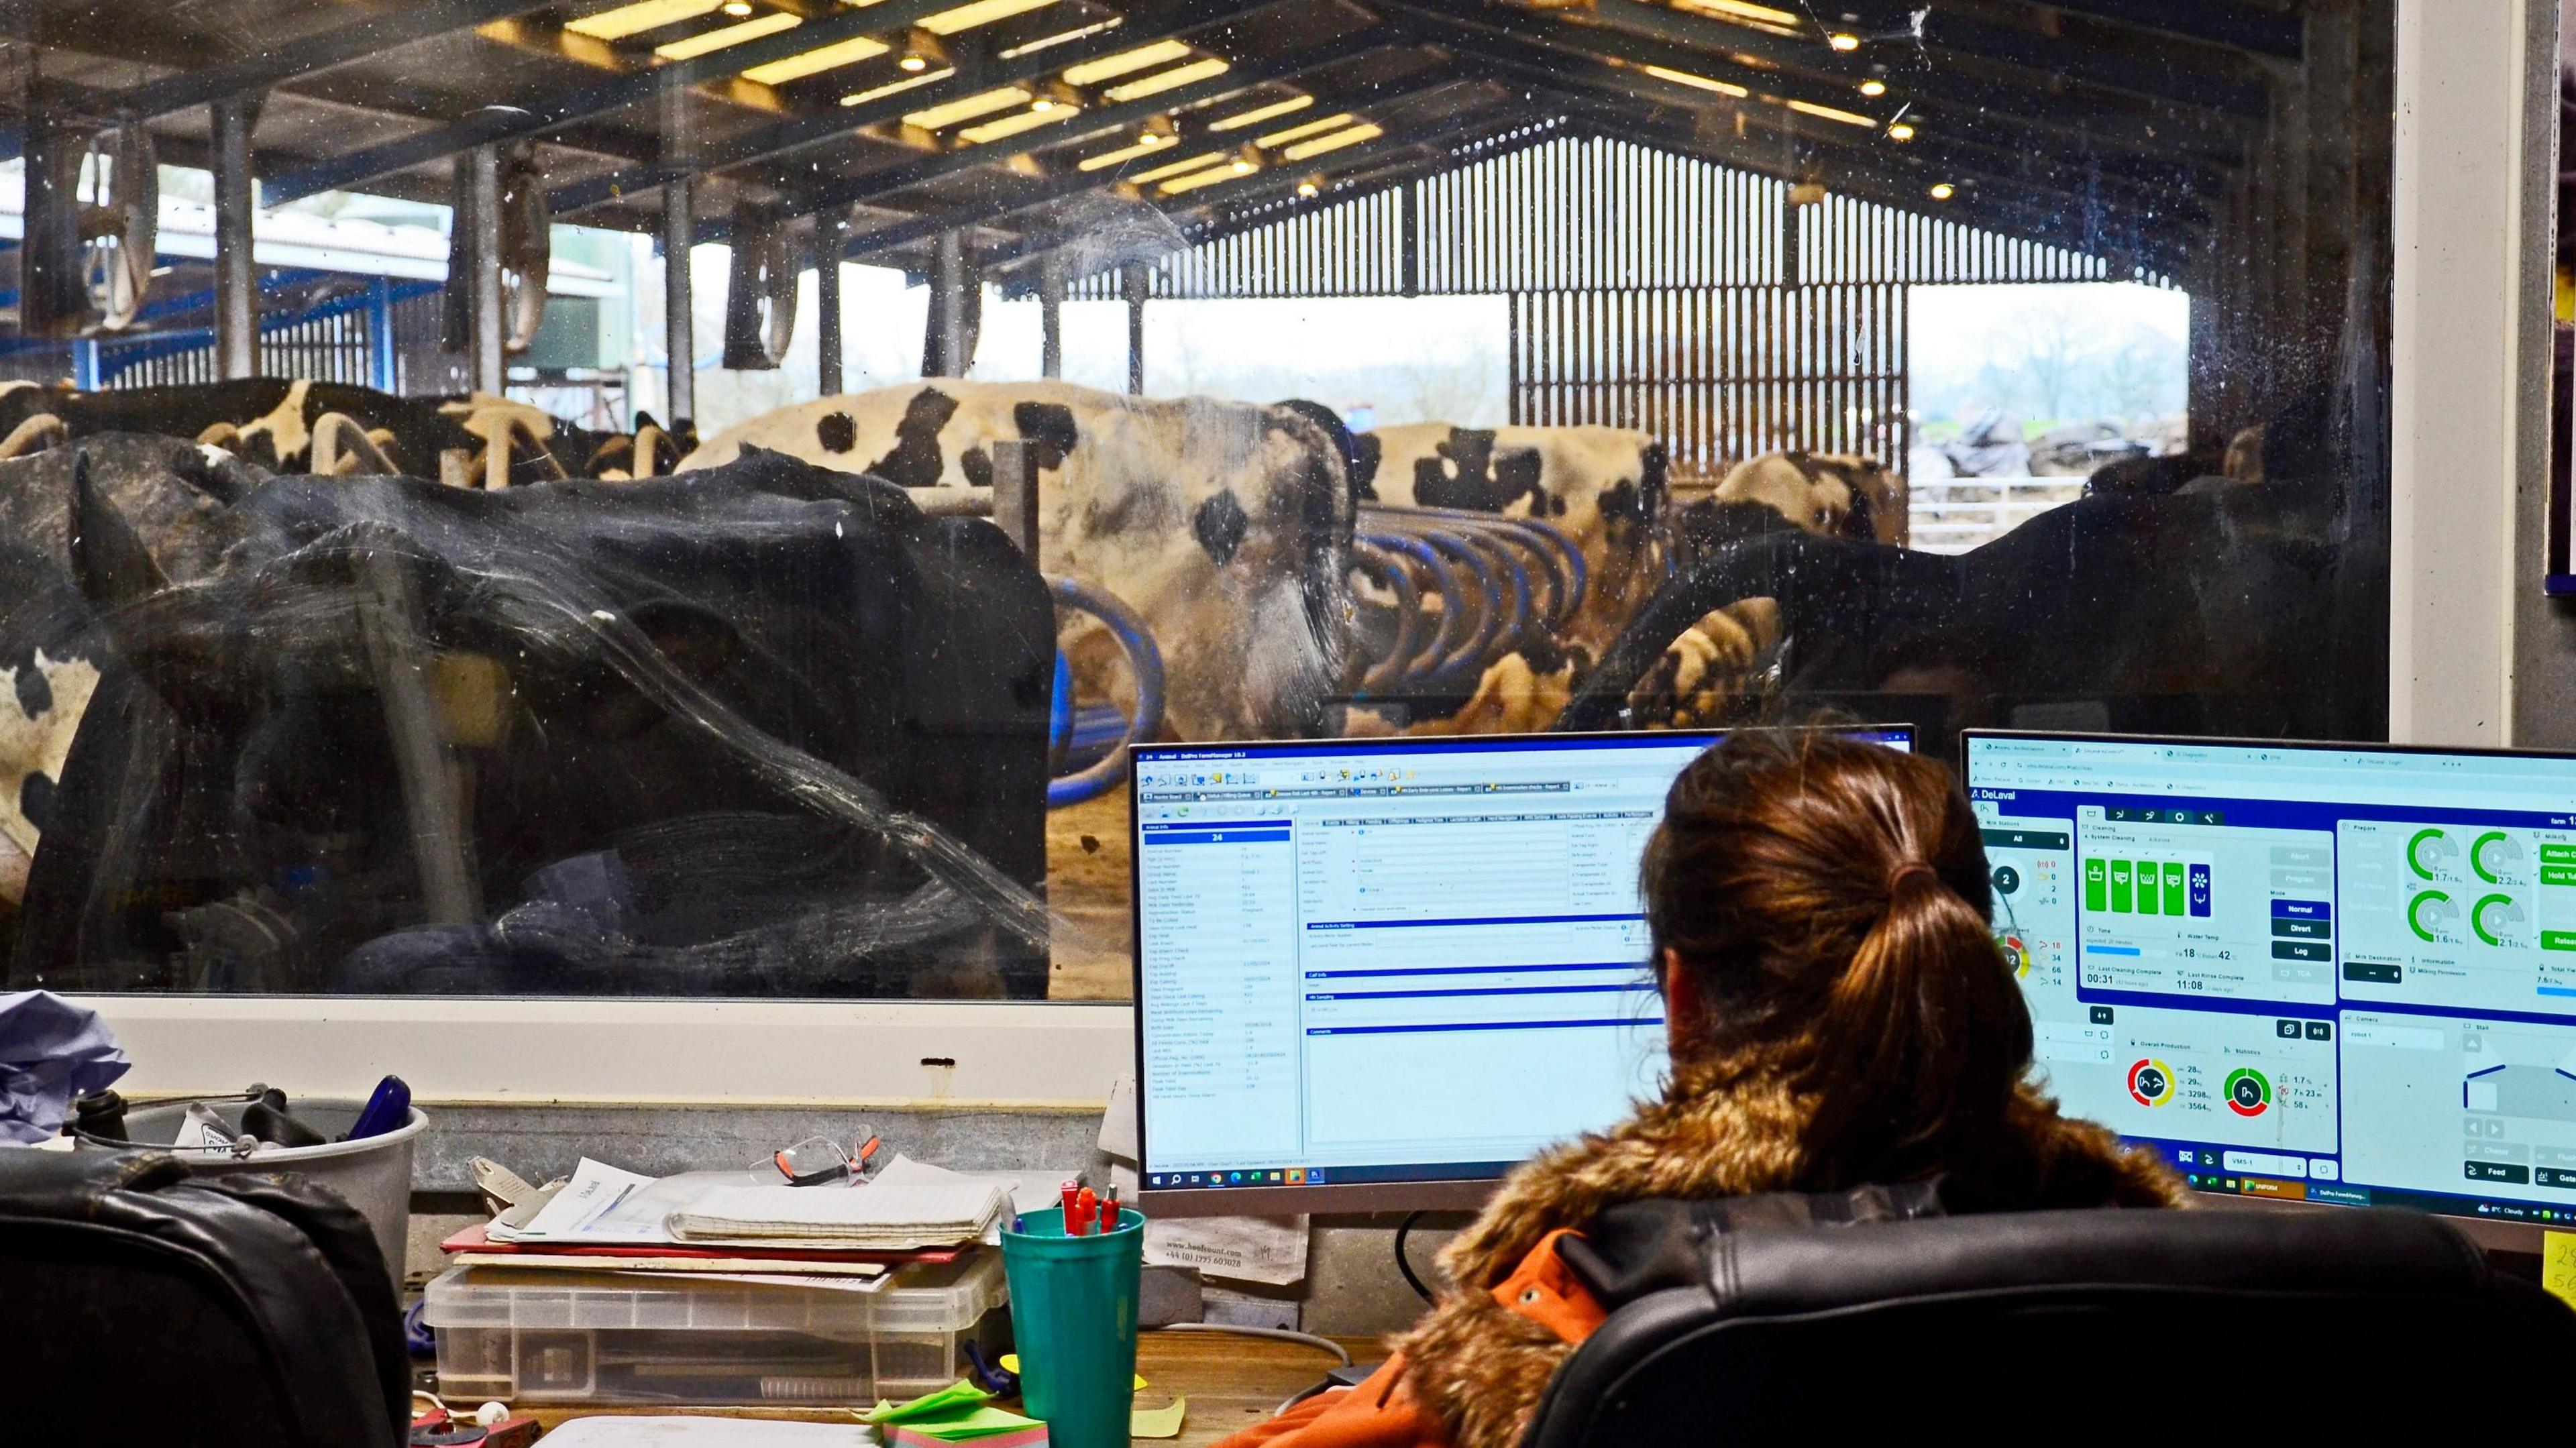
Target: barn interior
x=1705 y=222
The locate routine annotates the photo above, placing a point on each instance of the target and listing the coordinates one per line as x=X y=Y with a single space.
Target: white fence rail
x=1953 y=515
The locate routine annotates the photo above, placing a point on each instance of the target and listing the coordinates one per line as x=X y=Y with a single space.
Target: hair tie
x=1897 y=877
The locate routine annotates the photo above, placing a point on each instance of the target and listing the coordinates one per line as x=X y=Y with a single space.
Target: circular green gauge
x=2249 y=1093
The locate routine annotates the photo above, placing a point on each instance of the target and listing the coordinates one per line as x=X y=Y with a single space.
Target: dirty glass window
x=693 y=497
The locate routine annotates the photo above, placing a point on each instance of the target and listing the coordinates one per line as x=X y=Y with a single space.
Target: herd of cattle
x=308 y=687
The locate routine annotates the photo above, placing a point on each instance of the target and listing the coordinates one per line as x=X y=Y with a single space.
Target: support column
x=1139 y=279
x=1051 y=319
x=483 y=295
x=2468 y=424
x=383 y=369
x=679 y=326
x=236 y=274
x=829 y=230
x=948 y=307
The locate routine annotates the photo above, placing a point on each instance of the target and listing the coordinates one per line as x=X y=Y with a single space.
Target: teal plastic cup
x=1073 y=1315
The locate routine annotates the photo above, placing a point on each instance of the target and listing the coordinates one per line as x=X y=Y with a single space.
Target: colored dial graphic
x=2494 y=918
x=2016 y=954
x=2428 y=913
x=2151 y=1082
x=2496 y=856
x=2249 y=1092
x=2426 y=852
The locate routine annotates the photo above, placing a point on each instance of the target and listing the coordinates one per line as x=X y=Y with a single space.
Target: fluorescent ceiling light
x=1092 y=72
x=1810 y=108
x=1051 y=41
x=982 y=12
x=815 y=62
x=1197 y=179
x=860 y=98
x=968 y=108
x=1178 y=75
x=731 y=35
x=1108 y=159
x=1695 y=82
x=1281 y=138
x=1259 y=114
x=1333 y=142
x=645 y=15
x=1013 y=125
x=1175 y=168
x=1746 y=14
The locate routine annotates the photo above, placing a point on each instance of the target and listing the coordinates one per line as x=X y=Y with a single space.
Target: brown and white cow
x=1224 y=525
x=1603 y=486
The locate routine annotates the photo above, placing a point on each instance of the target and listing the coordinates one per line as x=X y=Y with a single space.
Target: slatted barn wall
x=1647 y=289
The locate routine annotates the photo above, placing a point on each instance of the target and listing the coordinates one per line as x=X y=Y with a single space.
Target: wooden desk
x=1232 y=1383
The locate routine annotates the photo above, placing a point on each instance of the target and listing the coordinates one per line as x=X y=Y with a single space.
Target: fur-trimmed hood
x=1726 y=1127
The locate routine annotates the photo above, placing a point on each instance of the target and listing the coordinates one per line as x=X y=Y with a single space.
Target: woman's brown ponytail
x=1831 y=900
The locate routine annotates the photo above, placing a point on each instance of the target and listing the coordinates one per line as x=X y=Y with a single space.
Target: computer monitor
x=1379 y=974
x=2329 y=973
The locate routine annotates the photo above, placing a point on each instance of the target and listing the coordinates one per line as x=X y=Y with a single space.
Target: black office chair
x=2165 y=1327
x=143 y=1305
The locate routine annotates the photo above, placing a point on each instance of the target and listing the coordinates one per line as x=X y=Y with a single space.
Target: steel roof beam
x=1627 y=29
x=395 y=25
x=2043 y=221
x=2053 y=62
x=810 y=130
x=860 y=190
x=2042 y=214
x=1059 y=188
x=2237 y=27
x=1627 y=88
x=506 y=123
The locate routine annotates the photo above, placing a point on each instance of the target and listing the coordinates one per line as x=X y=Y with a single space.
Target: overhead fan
x=120 y=223
x=527 y=247
x=760 y=292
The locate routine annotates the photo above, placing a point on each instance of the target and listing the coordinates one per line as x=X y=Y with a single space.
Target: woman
x=1839 y=1017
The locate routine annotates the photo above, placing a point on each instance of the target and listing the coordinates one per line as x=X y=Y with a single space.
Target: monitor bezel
x=2487 y=1232
x=1431 y=1194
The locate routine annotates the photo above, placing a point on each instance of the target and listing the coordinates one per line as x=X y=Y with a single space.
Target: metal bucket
x=373 y=1175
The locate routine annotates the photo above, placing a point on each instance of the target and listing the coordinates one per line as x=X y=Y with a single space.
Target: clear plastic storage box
x=546 y=1336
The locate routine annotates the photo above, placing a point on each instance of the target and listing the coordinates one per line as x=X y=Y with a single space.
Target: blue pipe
x=1143 y=659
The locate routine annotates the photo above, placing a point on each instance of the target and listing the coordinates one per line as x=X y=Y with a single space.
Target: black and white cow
x=273 y=422
x=175 y=497
x=765 y=729
x=1603 y=487
x=1224 y=525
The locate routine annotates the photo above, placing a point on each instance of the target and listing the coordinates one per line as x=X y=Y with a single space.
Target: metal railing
x=1953 y=515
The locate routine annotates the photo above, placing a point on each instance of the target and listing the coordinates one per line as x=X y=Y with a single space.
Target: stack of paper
x=880 y=1216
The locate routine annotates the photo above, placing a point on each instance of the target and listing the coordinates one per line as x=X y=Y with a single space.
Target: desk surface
x=1232 y=1382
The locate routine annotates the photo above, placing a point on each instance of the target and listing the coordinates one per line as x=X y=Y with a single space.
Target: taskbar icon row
x=1283 y=1176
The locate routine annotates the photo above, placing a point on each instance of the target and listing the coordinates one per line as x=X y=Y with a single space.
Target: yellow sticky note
x=2558 y=1263
x=1157 y=1422
x=1010 y=1363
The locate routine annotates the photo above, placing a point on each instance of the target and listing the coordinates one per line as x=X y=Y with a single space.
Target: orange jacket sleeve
x=1379 y=1413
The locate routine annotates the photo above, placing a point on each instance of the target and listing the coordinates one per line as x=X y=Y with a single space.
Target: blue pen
x=387 y=1109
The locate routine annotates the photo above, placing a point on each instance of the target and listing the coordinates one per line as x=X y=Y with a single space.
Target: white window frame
x=2466 y=245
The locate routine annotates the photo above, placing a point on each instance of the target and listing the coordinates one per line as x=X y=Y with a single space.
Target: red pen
x=1086 y=1214
x=1072 y=1192
x=1109 y=1210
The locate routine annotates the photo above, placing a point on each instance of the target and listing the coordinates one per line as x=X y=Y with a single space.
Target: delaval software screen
x=2339 y=974
x=1395 y=961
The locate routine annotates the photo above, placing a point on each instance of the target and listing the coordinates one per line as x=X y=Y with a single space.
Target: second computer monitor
x=1381 y=973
